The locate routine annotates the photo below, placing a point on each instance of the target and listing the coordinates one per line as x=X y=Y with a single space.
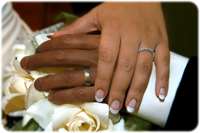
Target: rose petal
x=79 y=122
x=33 y=95
x=18 y=85
x=63 y=114
x=19 y=70
x=99 y=109
x=41 y=112
x=6 y=86
x=13 y=102
x=19 y=50
x=37 y=74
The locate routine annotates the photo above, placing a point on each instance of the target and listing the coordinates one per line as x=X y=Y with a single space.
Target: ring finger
x=68 y=79
x=139 y=81
x=123 y=73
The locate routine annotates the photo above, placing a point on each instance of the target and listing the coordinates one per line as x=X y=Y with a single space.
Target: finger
x=139 y=81
x=108 y=52
x=68 y=79
x=73 y=95
x=84 y=24
x=70 y=42
x=124 y=71
x=162 y=59
x=64 y=58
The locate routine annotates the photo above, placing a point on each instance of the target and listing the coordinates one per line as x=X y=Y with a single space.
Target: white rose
x=17 y=83
x=70 y=117
x=14 y=94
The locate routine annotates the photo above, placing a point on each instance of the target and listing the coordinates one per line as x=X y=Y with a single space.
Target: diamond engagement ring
x=87 y=77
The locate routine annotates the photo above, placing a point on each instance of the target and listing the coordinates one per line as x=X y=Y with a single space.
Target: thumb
x=85 y=24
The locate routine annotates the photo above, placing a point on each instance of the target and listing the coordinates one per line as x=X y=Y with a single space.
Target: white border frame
x=195 y=2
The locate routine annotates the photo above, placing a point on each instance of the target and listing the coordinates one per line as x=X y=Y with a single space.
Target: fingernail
x=99 y=95
x=131 y=106
x=49 y=35
x=162 y=94
x=24 y=63
x=115 y=107
x=37 y=85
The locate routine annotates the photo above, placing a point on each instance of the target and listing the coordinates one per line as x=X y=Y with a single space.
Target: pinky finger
x=162 y=60
x=73 y=95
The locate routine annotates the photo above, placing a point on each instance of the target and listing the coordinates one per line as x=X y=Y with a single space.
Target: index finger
x=108 y=53
x=76 y=41
x=60 y=58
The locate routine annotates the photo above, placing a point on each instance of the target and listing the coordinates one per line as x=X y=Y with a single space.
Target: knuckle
x=163 y=71
x=102 y=83
x=71 y=38
x=66 y=76
x=150 y=29
x=102 y=80
x=60 y=56
x=66 y=39
x=118 y=93
x=105 y=55
x=163 y=77
x=81 y=93
x=125 y=64
x=141 y=88
x=118 y=96
x=137 y=93
x=144 y=67
x=103 y=77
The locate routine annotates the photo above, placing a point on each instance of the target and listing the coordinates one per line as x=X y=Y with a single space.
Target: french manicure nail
x=115 y=107
x=162 y=94
x=99 y=95
x=131 y=106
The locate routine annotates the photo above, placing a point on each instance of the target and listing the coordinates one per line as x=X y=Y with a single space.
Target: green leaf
x=68 y=17
x=135 y=123
x=30 y=126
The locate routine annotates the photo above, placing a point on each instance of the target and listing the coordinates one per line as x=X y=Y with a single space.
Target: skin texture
x=67 y=86
x=121 y=70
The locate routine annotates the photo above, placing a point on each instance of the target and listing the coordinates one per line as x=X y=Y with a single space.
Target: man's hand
x=66 y=51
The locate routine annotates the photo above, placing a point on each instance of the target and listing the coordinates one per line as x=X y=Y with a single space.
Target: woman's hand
x=126 y=28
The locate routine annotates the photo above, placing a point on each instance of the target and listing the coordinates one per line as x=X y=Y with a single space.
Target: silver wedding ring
x=150 y=50
x=87 y=77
